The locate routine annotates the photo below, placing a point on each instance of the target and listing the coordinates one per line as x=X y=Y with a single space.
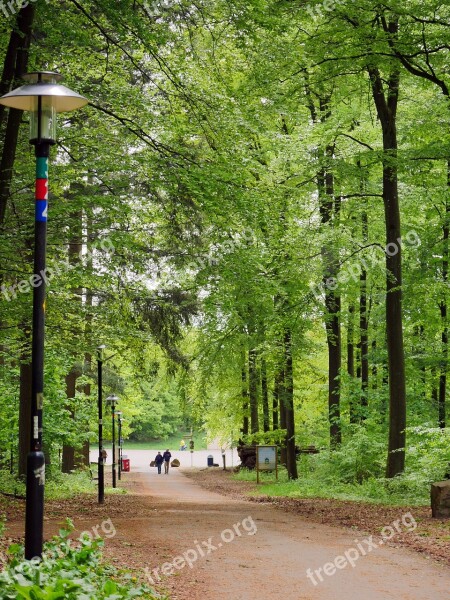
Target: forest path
x=269 y=553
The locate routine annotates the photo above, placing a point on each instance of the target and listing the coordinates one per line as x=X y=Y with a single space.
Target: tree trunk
x=386 y=106
x=374 y=382
x=282 y=388
x=276 y=401
x=265 y=395
x=364 y=344
x=253 y=390
x=25 y=404
x=75 y=247
x=68 y=453
x=245 y=423
x=443 y=311
x=291 y=462
x=329 y=211
x=364 y=327
x=14 y=66
x=351 y=360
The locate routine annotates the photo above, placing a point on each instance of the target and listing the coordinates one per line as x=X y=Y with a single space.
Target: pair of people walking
x=163 y=458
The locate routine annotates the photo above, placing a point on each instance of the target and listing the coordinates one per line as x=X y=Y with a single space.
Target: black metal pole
x=113 y=446
x=101 y=468
x=120 y=448
x=34 y=512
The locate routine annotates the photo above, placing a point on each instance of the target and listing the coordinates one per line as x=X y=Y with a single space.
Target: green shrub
x=362 y=456
x=67 y=571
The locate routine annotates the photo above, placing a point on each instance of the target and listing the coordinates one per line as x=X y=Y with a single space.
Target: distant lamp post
x=43 y=97
x=112 y=401
x=119 y=422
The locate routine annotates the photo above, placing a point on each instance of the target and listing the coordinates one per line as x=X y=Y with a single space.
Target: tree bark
x=75 y=247
x=276 y=402
x=253 y=390
x=282 y=388
x=291 y=461
x=24 y=404
x=351 y=360
x=245 y=422
x=386 y=106
x=364 y=328
x=265 y=395
x=443 y=311
x=14 y=66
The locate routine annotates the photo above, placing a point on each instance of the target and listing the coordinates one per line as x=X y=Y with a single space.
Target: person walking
x=159 y=461
x=166 y=457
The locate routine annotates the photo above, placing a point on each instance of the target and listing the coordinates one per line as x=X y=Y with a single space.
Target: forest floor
x=213 y=542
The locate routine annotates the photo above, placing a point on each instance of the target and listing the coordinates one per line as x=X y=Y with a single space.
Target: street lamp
x=43 y=97
x=112 y=400
x=119 y=420
x=101 y=458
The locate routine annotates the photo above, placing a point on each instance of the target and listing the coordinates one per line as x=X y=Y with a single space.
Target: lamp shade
x=44 y=84
x=112 y=400
x=43 y=97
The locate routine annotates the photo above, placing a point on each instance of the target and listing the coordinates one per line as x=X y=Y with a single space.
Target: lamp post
x=43 y=97
x=112 y=400
x=101 y=461
x=119 y=421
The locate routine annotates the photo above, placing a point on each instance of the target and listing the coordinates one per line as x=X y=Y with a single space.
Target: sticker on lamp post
x=266 y=460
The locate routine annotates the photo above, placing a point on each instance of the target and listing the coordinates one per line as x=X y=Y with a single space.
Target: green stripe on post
x=42 y=167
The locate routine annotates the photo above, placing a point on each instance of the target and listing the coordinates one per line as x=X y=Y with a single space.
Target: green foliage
x=67 y=571
x=57 y=485
x=355 y=471
x=361 y=457
x=270 y=438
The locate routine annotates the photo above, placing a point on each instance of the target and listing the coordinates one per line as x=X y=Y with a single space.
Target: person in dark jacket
x=166 y=457
x=159 y=461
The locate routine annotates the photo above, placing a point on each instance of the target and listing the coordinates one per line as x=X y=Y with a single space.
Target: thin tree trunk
x=75 y=247
x=443 y=311
x=24 y=403
x=329 y=210
x=276 y=401
x=351 y=360
x=374 y=381
x=291 y=461
x=282 y=388
x=265 y=395
x=364 y=327
x=253 y=390
x=245 y=421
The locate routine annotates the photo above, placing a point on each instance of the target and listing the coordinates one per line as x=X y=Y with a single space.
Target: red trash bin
x=126 y=465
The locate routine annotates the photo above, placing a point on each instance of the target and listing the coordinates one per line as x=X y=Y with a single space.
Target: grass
x=58 y=486
x=400 y=491
x=172 y=442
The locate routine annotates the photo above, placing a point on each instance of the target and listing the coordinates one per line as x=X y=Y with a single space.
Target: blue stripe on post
x=41 y=210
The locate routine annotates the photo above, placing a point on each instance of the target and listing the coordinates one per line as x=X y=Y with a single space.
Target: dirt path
x=268 y=555
x=213 y=547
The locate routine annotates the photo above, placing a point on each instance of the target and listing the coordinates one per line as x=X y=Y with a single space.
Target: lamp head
x=100 y=351
x=43 y=97
x=112 y=400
